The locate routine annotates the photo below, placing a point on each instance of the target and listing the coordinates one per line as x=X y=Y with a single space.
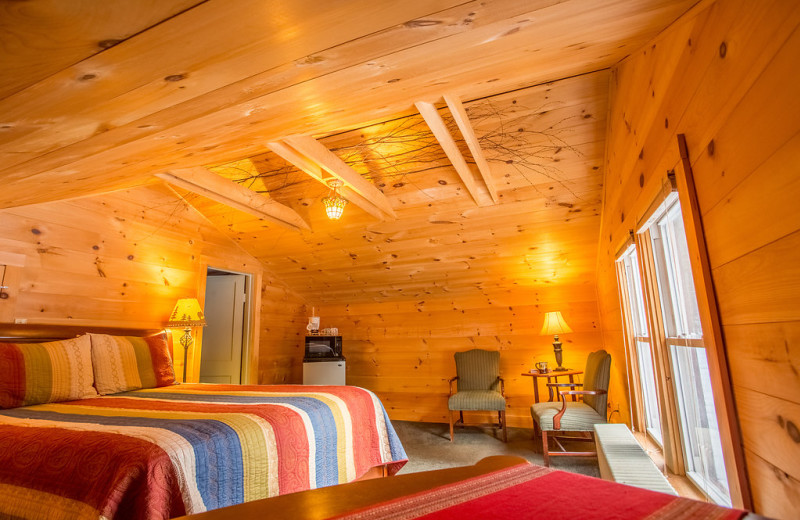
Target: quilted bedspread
x=164 y=452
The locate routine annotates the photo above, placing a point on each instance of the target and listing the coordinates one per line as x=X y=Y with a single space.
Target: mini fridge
x=323 y=371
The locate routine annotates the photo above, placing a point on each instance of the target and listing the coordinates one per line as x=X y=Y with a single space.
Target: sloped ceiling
x=99 y=96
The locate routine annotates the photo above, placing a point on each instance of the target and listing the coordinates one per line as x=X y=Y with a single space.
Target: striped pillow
x=124 y=363
x=36 y=373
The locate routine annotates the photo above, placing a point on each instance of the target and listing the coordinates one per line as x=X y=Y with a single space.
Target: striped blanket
x=163 y=452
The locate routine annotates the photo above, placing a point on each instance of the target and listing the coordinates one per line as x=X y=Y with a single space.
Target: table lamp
x=554 y=324
x=187 y=314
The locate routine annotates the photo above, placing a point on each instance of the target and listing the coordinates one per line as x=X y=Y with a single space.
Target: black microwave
x=321 y=348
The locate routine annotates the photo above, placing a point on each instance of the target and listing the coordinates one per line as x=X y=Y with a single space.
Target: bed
x=95 y=427
x=498 y=487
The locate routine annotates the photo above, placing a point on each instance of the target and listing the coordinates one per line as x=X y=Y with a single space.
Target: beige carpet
x=428 y=447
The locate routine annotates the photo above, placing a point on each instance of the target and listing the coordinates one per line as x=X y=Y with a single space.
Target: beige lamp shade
x=187 y=313
x=554 y=324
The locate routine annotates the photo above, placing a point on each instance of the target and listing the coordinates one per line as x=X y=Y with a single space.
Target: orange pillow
x=124 y=363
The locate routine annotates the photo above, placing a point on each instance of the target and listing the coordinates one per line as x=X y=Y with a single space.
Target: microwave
x=323 y=348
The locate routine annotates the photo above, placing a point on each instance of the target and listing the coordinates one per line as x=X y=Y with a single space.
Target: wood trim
x=670 y=429
x=437 y=125
x=37 y=333
x=319 y=154
x=462 y=121
x=635 y=394
x=219 y=189
x=668 y=187
x=331 y=501
x=316 y=172
x=730 y=433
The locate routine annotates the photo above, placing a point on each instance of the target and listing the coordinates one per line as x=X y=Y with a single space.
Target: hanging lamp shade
x=334 y=203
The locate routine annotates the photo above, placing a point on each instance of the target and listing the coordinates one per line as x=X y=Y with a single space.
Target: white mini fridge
x=328 y=372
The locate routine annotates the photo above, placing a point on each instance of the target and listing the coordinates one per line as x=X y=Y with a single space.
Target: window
x=639 y=340
x=702 y=447
x=668 y=353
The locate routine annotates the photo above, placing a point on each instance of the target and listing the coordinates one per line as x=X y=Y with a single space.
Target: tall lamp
x=554 y=324
x=187 y=314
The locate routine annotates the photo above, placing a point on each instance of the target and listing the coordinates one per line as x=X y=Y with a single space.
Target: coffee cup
x=541 y=366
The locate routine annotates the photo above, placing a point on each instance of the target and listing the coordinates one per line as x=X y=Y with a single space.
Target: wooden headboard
x=16 y=333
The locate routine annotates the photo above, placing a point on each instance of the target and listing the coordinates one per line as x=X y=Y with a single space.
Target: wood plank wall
x=122 y=260
x=403 y=351
x=725 y=76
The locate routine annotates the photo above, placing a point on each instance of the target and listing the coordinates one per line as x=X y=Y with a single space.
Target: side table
x=550 y=374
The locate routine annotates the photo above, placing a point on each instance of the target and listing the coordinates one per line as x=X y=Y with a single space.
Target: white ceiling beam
x=312 y=157
x=462 y=120
x=437 y=125
x=210 y=185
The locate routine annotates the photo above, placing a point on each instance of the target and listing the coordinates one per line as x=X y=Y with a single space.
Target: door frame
x=250 y=333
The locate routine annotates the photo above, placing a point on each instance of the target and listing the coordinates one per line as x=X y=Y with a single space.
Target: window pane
x=687 y=316
x=638 y=320
x=648 y=378
x=699 y=428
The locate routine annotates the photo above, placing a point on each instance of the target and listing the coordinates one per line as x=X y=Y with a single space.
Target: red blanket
x=528 y=491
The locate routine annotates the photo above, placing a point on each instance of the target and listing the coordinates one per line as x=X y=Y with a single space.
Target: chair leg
x=461 y=418
x=545 y=449
x=505 y=427
x=451 y=425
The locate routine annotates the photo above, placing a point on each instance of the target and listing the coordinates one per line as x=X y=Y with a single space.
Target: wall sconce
x=554 y=324
x=334 y=203
x=187 y=314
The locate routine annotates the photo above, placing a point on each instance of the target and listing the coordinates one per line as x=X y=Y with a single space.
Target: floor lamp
x=186 y=314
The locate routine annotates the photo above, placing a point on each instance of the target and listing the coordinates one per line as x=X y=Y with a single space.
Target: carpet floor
x=428 y=447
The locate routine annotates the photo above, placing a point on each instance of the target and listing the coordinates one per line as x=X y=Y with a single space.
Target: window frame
x=680 y=184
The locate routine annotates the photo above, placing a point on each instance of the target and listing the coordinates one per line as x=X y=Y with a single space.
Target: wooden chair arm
x=564 y=393
x=564 y=384
x=450 y=382
x=502 y=387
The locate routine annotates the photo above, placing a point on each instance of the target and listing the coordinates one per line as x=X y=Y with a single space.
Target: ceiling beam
x=316 y=172
x=437 y=125
x=313 y=158
x=462 y=120
x=210 y=185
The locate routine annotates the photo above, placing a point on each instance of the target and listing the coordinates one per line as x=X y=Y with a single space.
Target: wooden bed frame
x=18 y=333
x=322 y=503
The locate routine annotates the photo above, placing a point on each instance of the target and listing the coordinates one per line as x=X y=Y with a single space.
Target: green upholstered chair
x=557 y=417
x=479 y=387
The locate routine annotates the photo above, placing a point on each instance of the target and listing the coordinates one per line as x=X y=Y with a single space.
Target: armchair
x=552 y=418
x=479 y=387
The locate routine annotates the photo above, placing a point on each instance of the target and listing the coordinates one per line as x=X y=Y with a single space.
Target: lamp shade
x=554 y=324
x=334 y=206
x=334 y=203
x=187 y=313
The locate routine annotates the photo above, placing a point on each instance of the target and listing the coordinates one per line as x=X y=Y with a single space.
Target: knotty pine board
x=741 y=95
x=112 y=151
x=122 y=260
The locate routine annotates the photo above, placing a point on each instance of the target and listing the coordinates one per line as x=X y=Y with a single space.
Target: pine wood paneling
x=122 y=260
x=724 y=76
x=403 y=350
x=214 y=82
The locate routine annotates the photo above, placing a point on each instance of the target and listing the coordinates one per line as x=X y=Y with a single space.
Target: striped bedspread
x=164 y=452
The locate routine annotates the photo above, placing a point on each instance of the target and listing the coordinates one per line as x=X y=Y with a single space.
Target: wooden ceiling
x=98 y=96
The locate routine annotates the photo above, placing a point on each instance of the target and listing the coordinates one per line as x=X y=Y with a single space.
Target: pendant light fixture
x=334 y=203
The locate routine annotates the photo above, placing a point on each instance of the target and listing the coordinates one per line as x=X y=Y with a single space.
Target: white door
x=221 y=359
